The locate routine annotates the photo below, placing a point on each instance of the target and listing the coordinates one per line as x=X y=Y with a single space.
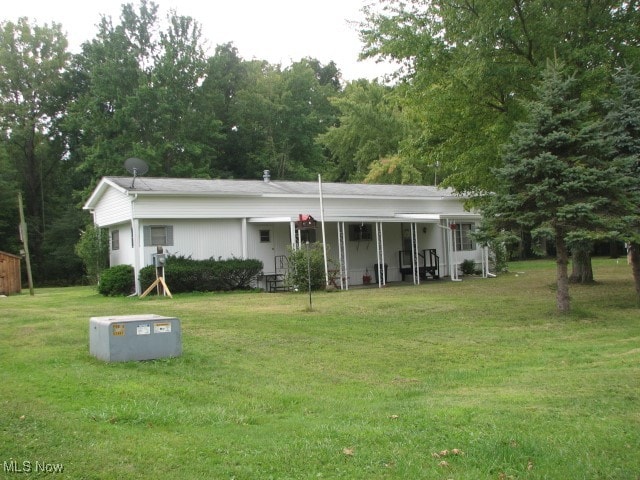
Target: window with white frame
x=158 y=235
x=115 y=239
x=265 y=236
x=464 y=240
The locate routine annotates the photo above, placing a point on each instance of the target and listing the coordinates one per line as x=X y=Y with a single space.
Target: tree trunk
x=562 y=277
x=581 y=269
x=634 y=257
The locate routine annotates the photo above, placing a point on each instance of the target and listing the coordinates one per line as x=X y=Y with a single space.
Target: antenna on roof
x=135 y=167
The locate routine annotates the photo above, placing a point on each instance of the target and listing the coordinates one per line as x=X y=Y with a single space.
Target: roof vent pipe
x=266 y=175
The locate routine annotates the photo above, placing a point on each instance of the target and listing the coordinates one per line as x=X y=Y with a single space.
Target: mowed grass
x=370 y=384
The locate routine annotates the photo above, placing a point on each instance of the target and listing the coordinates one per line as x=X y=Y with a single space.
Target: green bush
x=298 y=276
x=468 y=267
x=93 y=249
x=183 y=274
x=499 y=257
x=116 y=281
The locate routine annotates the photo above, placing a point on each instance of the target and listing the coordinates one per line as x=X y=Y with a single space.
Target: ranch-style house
x=372 y=233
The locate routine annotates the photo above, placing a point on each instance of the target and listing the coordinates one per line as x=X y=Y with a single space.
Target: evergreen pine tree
x=557 y=178
x=623 y=125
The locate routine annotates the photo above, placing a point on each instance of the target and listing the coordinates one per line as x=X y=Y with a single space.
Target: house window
x=265 y=236
x=306 y=236
x=158 y=235
x=115 y=240
x=464 y=240
x=359 y=232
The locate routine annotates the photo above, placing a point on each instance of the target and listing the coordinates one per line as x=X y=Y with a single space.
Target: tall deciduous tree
x=227 y=75
x=110 y=71
x=304 y=112
x=369 y=129
x=469 y=63
x=33 y=97
x=269 y=116
x=141 y=96
x=9 y=220
x=557 y=179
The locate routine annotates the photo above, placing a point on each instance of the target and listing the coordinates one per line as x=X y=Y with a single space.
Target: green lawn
x=371 y=384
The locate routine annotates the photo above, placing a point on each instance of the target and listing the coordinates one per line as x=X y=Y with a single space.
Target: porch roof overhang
x=396 y=218
x=436 y=217
x=270 y=219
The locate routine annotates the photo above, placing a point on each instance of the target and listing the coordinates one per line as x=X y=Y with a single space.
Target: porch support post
x=485 y=261
x=415 y=261
x=342 y=258
x=292 y=228
x=382 y=281
x=446 y=254
x=450 y=249
x=453 y=265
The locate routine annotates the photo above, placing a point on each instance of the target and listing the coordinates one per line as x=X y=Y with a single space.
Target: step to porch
x=276 y=283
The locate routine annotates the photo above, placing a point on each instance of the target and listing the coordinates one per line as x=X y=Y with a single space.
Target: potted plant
x=366 y=278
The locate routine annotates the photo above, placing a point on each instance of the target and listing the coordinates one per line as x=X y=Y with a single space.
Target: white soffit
x=425 y=217
x=270 y=220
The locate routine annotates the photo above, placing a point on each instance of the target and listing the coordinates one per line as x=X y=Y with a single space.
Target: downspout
x=245 y=242
x=324 y=236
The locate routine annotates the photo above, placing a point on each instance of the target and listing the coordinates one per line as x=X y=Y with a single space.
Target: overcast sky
x=279 y=31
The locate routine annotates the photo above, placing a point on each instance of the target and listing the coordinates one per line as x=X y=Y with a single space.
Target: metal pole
x=324 y=237
x=309 y=274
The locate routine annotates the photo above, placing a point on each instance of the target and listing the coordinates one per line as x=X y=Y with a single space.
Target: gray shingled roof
x=187 y=186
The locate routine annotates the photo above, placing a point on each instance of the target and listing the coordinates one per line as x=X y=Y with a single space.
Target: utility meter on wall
x=159 y=259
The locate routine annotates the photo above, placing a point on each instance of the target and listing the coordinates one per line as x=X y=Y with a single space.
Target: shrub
x=184 y=274
x=298 y=276
x=93 y=249
x=468 y=267
x=499 y=257
x=116 y=281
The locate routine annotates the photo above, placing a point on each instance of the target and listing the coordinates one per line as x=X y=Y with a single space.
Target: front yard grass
x=473 y=380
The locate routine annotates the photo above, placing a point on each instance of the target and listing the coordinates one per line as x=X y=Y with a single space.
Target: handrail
x=281 y=262
x=434 y=260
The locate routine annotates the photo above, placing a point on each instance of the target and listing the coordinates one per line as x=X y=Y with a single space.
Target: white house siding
x=158 y=207
x=224 y=220
x=124 y=254
x=280 y=240
x=199 y=239
x=114 y=207
x=152 y=206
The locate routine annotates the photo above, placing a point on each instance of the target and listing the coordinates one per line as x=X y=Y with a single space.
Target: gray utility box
x=134 y=337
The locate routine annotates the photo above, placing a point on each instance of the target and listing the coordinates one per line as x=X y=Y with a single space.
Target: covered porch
x=375 y=251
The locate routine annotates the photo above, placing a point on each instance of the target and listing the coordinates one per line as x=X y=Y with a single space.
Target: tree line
x=472 y=75
x=144 y=87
